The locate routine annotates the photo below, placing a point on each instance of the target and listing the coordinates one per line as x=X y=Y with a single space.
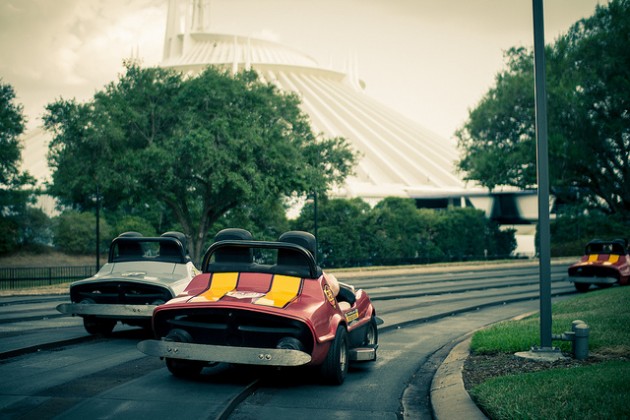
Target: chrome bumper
x=593 y=280
x=107 y=310
x=224 y=354
x=362 y=354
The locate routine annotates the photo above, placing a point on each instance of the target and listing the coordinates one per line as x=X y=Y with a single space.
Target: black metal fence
x=22 y=277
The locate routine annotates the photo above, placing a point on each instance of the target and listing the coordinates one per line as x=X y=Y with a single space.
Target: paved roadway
x=52 y=369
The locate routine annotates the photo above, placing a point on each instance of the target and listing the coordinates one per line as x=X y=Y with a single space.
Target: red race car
x=278 y=309
x=604 y=263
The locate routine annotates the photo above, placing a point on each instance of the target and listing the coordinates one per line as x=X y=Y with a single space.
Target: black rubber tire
x=582 y=287
x=98 y=326
x=290 y=343
x=179 y=367
x=371 y=335
x=335 y=367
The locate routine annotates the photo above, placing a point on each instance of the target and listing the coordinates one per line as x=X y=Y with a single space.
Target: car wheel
x=335 y=365
x=582 y=287
x=179 y=367
x=97 y=326
x=371 y=335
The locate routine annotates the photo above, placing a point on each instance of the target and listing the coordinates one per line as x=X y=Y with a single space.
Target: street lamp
x=542 y=156
x=312 y=198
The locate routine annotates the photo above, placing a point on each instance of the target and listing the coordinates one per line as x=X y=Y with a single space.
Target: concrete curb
x=449 y=398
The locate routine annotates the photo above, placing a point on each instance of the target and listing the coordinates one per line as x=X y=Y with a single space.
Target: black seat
x=346 y=295
x=233 y=254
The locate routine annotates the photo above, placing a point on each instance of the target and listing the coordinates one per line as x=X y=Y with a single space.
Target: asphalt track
x=52 y=368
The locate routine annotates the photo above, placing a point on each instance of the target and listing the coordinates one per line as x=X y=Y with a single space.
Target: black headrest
x=233 y=234
x=130 y=235
x=128 y=249
x=233 y=254
x=297 y=237
x=180 y=237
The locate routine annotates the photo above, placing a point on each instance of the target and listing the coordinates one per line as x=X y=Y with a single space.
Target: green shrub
x=75 y=233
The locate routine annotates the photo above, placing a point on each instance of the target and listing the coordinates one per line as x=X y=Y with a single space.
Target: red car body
x=603 y=264
x=288 y=313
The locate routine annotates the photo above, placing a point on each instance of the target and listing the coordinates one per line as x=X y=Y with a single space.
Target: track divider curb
x=449 y=397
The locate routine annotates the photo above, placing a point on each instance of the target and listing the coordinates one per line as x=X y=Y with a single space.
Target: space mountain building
x=397 y=156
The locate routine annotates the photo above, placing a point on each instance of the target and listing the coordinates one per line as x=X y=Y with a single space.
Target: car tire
x=371 y=335
x=582 y=287
x=179 y=367
x=335 y=366
x=98 y=326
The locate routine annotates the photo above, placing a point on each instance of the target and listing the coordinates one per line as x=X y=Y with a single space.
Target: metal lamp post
x=98 y=228
x=542 y=167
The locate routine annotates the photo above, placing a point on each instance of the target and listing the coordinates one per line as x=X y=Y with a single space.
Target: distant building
x=398 y=156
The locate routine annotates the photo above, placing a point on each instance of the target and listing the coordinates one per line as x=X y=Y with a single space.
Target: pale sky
x=431 y=60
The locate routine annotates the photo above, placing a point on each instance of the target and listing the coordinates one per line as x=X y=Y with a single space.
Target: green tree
x=131 y=223
x=571 y=232
x=16 y=187
x=74 y=233
x=498 y=139
x=266 y=220
x=201 y=146
x=395 y=231
x=588 y=86
x=34 y=229
x=344 y=236
x=466 y=233
x=400 y=231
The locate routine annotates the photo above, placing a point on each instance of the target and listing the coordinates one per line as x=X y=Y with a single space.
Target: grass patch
x=606 y=312
x=598 y=390
x=590 y=392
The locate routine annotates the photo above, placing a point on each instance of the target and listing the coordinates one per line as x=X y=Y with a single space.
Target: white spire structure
x=398 y=156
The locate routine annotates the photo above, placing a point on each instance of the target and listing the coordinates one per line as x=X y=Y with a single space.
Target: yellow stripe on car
x=283 y=290
x=221 y=284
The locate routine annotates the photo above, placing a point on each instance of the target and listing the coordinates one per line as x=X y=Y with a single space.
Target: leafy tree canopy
x=588 y=88
x=74 y=233
x=11 y=127
x=200 y=145
x=350 y=233
x=15 y=186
